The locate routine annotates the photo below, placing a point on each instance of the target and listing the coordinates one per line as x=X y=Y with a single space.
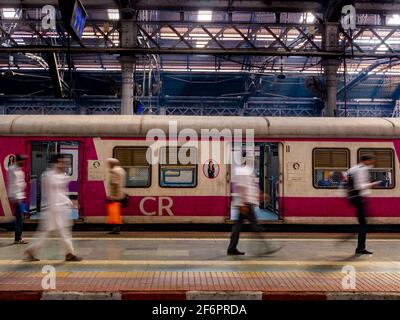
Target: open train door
x=281 y=182
x=268 y=171
x=267 y=168
x=41 y=153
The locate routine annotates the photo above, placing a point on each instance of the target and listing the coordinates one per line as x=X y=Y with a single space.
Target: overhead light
x=10 y=13
x=307 y=17
x=382 y=48
x=204 y=15
x=19 y=41
x=393 y=19
x=113 y=14
x=201 y=44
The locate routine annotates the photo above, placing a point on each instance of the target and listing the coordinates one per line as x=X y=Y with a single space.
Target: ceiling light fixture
x=10 y=13
x=113 y=14
x=204 y=15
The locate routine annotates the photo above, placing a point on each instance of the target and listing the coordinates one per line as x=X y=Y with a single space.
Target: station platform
x=194 y=265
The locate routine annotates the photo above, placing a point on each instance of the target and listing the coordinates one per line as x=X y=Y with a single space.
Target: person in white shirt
x=56 y=215
x=248 y=197
x=16 y=194
x=359 y=187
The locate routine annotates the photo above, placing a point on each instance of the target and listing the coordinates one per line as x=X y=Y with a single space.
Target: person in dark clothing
x=16 y=194
x=359 y=187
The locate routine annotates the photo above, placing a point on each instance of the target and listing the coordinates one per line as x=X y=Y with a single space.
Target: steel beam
x=221 y=5
x=201 y=51
x=384 y=6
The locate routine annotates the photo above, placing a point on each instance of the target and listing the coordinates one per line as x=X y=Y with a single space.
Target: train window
x=329 y=167
x=383 y=169
x=134 y=162
x=178 y=167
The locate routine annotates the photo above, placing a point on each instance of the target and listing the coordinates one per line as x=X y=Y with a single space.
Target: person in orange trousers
x=115 y=195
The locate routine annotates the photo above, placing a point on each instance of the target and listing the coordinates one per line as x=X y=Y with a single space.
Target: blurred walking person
x=16 y=194
x=248 y=197
x=116 y=197
x=56 y=216
x=359 y=187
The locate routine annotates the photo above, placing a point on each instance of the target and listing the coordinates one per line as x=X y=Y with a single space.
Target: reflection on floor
x=262 y=214
x=74 y=215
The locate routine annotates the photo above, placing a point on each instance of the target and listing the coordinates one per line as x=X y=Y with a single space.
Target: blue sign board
x=78 y=20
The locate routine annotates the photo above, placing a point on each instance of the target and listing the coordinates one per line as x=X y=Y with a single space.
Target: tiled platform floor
x=165 y=263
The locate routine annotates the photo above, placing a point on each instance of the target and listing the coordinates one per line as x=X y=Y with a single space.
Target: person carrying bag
x=116 y=198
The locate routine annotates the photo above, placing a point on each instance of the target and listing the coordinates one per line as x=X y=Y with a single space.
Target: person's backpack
x=352 y=192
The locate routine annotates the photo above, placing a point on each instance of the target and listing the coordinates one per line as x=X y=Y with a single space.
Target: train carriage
x=299 y=162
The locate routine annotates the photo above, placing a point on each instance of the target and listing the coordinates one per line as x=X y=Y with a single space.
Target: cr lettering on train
x=164 y=205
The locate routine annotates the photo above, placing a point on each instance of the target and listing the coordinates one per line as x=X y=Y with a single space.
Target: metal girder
x=223 y=5
x=194 y=106
x=221 y=38
x=55 y=75
x=364 y=74
x=384 y=6
x=197 y=51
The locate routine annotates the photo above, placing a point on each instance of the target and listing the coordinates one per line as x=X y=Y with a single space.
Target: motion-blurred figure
x=116 y=195
x=16 y=194
x=248 y=197
x=359 y=187
x=56 y=215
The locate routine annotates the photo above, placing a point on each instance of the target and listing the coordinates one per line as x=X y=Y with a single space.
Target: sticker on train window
x=211 y=169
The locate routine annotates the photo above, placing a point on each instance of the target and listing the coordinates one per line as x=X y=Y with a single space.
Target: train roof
x=139 y=126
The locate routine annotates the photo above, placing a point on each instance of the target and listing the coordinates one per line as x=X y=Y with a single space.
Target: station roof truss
x=196 y=42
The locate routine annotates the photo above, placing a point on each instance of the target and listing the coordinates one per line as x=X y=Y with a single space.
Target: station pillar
x=128 y=86
x=128 y=38
x=331 y=66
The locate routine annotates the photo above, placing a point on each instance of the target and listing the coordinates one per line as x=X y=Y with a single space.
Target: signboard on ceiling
x=74 y=17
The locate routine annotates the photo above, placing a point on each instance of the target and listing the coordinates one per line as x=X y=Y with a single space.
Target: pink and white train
x=299 y=162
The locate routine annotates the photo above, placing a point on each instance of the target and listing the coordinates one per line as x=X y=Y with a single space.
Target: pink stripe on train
x=338 y=207
x=167 y=206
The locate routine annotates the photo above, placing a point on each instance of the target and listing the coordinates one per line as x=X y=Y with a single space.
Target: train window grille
x=133 y=160
x=178 y=167
x=383 y=169
x=330 y=167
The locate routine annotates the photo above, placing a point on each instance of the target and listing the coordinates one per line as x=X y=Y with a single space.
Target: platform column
x=331 y=66
x=128 y=40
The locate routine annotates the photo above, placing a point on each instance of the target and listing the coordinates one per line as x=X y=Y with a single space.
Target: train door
x=266 y=167
x=41 y=154
x=268 y=164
